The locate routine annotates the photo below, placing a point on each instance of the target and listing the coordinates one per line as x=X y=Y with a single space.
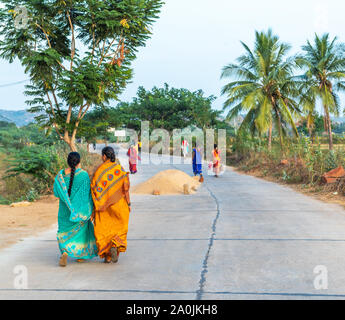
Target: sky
x=194 y=39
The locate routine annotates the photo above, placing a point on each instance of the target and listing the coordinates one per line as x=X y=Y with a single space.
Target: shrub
x=307 y=161
x=17 y=187
x=38 y=162
x=4 y=201
x=32 y=195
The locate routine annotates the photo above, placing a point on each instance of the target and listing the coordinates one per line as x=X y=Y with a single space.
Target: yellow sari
x=110 y=192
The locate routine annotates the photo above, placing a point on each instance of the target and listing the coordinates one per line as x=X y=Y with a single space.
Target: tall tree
x=324 y=62
x=77 y=53
x=170 y=108
x=263 y=88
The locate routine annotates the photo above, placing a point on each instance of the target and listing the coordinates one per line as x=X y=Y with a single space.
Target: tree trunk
x=71 y=143
x=280 y=129
x=329 y=128
x=311 y=136
x=280 y=136
x=73 y=146
x=270 y=138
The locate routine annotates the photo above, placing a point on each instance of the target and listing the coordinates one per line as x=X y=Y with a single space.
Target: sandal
x=114 y=254
x=63 y=260
x=107 y=259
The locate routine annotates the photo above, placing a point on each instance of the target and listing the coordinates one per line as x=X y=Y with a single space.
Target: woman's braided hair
x=109 y=153
x=73 y=160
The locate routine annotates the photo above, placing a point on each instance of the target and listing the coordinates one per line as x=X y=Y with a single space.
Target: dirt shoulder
x=317 y=192
x=20 y=222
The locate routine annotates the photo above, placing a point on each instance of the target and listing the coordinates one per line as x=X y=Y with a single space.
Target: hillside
x=20 y=117
x=2 y=118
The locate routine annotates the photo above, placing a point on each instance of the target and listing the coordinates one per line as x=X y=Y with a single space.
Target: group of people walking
x=198 y=158
x=93 y=213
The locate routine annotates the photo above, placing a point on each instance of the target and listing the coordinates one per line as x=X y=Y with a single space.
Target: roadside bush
x=4 y=201
x=17 y=187
x=32 y=170
x=32 y=195
x=304 y=162
x=38 y=162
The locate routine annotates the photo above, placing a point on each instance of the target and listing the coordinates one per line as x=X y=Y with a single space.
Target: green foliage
x=262 y=87
x=4 y=201
x=12 y=137
x=32 y=170
x=16 y=188
x=324 y=66
x=315 y=127
x=331 y=162
x=169 y=108
x=96 y=124
x=37 y=161
x=338 y=128
x=32 y=195
x=307 y=162
x=77 y=53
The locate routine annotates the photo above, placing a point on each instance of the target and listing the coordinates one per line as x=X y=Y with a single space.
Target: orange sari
x=110 y=192
x=216 y=162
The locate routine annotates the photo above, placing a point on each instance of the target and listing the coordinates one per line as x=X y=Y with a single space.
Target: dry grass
x=330 y=193
x=22 y=222
x=335 y=146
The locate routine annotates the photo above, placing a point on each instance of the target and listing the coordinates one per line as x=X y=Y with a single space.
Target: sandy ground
x=168 y=182
x=18 y=223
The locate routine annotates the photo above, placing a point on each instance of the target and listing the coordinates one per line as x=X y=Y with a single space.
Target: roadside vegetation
x=29 y=161
x=287 y=103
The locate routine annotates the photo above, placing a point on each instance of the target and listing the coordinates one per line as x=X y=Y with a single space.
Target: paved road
x=237 y=238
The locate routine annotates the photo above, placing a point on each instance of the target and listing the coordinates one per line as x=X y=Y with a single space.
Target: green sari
x=75 y=233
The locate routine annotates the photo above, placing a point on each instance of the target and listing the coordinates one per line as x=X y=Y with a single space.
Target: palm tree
x=264 y=87
x=324 y=62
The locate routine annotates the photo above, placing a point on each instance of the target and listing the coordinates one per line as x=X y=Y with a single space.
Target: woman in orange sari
x=216 y=161
x=110 y=191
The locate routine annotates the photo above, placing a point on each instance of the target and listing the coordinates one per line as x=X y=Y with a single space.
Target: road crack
x=204 y=271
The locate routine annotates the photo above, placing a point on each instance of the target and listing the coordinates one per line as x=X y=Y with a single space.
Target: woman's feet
x=81 y=260
x=107 y=259
x=114 y=254
x=63 y=260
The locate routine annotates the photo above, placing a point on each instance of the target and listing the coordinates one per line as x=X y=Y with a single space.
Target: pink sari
x=133 y=158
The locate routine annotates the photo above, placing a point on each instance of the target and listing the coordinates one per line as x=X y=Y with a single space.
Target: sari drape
x=133 y=157
x=197 y=161
x=75 y=233
x=216 y=162
x=110 y=191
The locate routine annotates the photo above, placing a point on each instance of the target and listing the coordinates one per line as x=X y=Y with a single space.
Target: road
x=239 y=237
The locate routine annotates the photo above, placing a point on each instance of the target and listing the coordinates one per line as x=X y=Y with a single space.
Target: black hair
x=73 y=160
x=215 y=146
x=109 y=153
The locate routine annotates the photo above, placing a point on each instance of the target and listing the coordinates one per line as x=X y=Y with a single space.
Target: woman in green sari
x=75 y=233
